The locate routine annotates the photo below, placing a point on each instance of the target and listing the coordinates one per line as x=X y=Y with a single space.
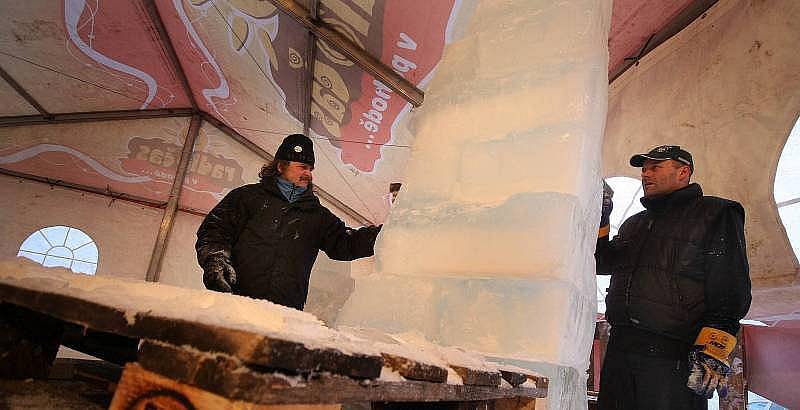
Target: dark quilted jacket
x=678 y=266
x=274 y=243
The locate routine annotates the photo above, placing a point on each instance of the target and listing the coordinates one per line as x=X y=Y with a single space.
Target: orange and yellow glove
x=709 y=364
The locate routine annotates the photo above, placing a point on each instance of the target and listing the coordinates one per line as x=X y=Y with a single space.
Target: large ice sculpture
x=491 y=243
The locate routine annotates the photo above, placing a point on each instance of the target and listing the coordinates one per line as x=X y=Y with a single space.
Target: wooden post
x=28 y=342
x=737 y=383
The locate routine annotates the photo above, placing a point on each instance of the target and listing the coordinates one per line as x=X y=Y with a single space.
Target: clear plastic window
x=62 y=246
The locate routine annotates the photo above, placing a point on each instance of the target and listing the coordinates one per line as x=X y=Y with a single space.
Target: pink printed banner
x=412 y=46
x=116 y=38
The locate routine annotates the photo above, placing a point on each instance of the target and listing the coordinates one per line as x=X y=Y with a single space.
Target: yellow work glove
x=708 y=361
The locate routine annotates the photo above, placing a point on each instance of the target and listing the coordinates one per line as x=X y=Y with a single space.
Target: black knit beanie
x=298 y=148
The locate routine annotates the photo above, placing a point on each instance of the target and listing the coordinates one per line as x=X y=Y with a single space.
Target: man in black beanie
x=262 y=239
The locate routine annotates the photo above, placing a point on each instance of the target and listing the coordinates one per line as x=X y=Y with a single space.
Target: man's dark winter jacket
x=273 y=243
x=678 y=266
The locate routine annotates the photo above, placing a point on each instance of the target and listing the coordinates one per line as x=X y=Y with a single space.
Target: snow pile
x=166 y=301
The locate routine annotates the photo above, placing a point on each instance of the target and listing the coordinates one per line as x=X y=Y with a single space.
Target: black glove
x=218 y=273
x=608 y=206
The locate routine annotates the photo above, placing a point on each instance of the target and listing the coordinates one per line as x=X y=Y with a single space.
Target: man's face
x=297 y=173
x=663 y=177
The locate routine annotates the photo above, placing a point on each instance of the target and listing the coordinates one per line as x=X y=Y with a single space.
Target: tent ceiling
x=246 y=64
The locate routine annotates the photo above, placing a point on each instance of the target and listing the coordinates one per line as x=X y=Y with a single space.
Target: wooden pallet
x=231 y=368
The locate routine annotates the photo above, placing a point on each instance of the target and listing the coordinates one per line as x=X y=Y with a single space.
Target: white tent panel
x=180 y=266
x=137 y=157
x=219 y=164
x=726 y=89
x=13 y=103
x=123 y=232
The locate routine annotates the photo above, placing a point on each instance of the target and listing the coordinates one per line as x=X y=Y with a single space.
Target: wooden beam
x=160 y=247
x=251 y=348
x=22 y=92
x=682 y=20
x=28 y=344
x=166 y=41
x=24 y=120
x=228 y=377
x=737 y=381
x=311 y=59
x=368 y=63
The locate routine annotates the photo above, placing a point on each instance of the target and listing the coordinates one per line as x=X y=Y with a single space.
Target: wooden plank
x=259 y=350
x=513 y=378
x=517 y=403
x=477 y=377
x=254 y=349
x=53 y=395
x=516 y=376
x=737 y=382
x=414 y=370
x=228 y=377
x=140 y=389
x=28 y=342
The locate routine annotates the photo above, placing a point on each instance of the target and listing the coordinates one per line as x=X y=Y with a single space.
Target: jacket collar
x=306 y=200
x=666 y=202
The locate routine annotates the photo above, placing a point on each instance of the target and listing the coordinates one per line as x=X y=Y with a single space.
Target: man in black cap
x=262 y=239
x=679 y=286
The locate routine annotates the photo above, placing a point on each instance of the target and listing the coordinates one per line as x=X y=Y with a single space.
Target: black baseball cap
x=662 y=153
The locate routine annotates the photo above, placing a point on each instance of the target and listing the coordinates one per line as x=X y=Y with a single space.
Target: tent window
x=627 y=193
x=62 y=246
x=787 y=188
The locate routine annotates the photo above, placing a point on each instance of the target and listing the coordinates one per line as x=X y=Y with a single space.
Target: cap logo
x=666 y=148
x=298 y=148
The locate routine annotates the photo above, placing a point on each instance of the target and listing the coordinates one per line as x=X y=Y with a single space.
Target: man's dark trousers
x=645 y=371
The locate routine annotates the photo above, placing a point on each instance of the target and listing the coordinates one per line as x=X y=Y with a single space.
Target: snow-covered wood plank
x=141 y=389
x=414 y=370
x=261 y=334
x=228 y=377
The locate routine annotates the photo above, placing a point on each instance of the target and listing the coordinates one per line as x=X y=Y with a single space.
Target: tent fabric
x=245 y=64
x=138 y=157
x=629 y=17
x=123 y=232
x=772 y=355
x=218 y=165
x=725 y=89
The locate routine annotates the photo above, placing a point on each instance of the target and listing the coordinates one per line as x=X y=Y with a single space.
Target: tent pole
x=77 y=117
x=692 y=12
x=311 y=59
x=367 y=62
x=22 y=92
x=84 y=188
x=160 y=247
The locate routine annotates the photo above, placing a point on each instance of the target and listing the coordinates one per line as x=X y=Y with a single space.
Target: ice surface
x=490 y=244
